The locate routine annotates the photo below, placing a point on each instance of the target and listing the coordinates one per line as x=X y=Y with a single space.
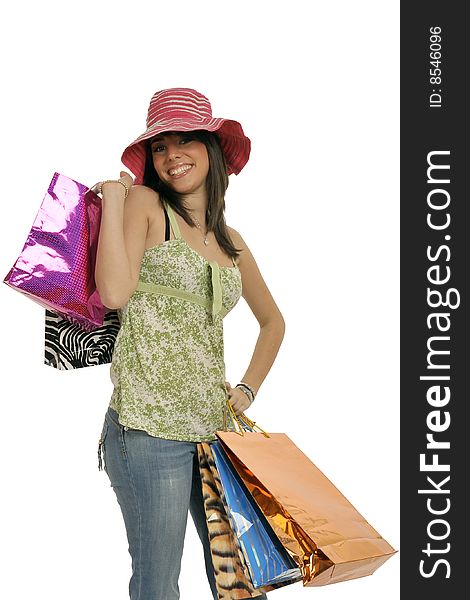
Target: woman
x=167 y=260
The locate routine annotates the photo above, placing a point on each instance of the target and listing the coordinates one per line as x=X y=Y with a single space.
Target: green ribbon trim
x=216 y=288
x=215 y=306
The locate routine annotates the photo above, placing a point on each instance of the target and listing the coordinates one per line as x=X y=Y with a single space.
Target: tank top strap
x=174 y=224
x=167 y=225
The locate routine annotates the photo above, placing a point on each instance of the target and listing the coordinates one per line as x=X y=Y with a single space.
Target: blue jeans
x=156 y=481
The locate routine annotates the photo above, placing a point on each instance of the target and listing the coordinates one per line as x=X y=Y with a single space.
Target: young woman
x=167 y=260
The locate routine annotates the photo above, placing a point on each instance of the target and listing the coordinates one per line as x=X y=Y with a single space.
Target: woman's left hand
x=238 y=399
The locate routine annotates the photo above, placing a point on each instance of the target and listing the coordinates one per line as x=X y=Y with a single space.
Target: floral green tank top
x=168 y=367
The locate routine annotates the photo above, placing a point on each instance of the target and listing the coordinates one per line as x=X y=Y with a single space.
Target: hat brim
x=236 y=146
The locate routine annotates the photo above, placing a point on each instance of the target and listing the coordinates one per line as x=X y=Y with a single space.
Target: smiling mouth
x=180 y=171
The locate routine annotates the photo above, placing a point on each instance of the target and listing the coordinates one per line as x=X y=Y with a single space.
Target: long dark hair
x=216 y=184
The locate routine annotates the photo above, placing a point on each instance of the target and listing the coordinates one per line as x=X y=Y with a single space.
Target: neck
x=197 y=205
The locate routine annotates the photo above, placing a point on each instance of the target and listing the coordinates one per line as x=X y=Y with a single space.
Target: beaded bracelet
x=100 y=189
x=249 y=391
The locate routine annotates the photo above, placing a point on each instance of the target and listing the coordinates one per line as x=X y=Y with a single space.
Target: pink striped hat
x=185 y=109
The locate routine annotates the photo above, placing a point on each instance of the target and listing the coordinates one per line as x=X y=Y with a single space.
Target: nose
x=174 y=151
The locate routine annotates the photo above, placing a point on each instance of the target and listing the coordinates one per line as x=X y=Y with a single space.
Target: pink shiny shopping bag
x=56 y=266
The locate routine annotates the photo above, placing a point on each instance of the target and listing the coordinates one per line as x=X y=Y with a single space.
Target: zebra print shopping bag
x=68 y=346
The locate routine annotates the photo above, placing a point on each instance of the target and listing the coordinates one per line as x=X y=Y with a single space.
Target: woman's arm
x=121 y=243
x=269 y=317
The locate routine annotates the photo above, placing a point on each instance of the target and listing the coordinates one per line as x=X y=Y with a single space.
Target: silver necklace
x=198 y=225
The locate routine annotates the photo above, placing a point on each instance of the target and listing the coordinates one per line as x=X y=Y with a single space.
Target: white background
x=315 y=86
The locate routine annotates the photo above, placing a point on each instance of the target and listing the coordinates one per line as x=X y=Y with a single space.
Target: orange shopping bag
x=323 y=532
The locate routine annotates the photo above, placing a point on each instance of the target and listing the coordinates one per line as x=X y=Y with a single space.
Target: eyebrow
x=159 y=138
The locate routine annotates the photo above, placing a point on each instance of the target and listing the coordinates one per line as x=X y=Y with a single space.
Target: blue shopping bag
x=267 y=560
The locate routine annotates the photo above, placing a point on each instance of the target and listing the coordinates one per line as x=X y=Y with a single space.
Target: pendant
x=206 y=241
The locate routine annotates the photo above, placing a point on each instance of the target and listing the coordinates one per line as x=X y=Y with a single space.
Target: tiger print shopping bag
x=231 y=572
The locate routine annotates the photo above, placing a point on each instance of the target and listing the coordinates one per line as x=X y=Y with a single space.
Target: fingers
x=239 y=401
x=127 y=178
x=239 y=409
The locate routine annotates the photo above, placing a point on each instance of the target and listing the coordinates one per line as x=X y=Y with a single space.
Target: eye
x=158 y=147
x=186 y=139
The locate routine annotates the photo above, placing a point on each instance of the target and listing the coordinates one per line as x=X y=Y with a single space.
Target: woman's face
x=181 y=161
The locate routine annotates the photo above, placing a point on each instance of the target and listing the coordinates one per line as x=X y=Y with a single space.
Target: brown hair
x=216 y=185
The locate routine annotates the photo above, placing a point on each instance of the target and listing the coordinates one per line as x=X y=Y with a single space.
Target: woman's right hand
x=125 y=177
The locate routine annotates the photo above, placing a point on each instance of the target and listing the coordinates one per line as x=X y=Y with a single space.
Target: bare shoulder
x=238 y=242
x=140 y=205
x=142 y=194
x=254 y=288
x=233 y=233
x=236 y=238
x=245 y=258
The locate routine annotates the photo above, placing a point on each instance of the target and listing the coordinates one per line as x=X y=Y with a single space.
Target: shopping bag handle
x=242 y=423
x=94 y=188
